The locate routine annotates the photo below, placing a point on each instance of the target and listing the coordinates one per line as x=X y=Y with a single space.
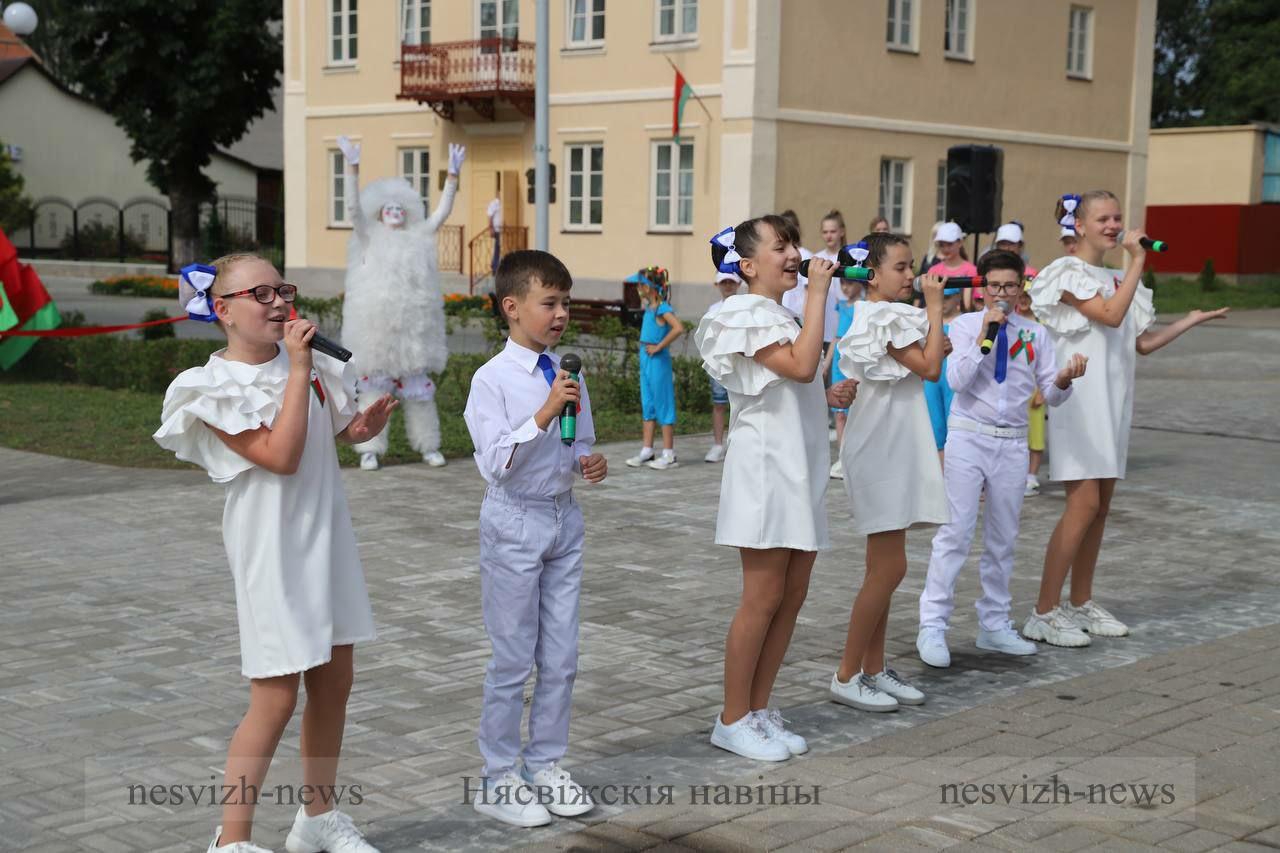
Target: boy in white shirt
x=531 y=536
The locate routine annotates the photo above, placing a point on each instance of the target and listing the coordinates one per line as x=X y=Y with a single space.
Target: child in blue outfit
x=660 y=329
x=937 y=395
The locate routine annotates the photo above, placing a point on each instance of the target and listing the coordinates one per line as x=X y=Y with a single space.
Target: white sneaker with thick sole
x=1004 y=640
x=1054 y=628
x=890 y=682
x=645 y=454
x=931 y=643
x=837 y=470
x=663 y=462
x=1033 y=487
x=435 y=459
x=775 y=726
x=369 y=462
x=331 y=832
x=861 y=692
x=1095 y=619
x=509 y=799
x=561 y=795
x=747 y=738
x=234 y=846
x=715 y=454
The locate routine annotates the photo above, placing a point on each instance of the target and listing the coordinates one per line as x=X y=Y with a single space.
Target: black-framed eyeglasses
x=266 y=293
x=1006 y=287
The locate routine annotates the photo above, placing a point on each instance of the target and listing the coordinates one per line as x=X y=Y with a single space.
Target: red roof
x=12 y=47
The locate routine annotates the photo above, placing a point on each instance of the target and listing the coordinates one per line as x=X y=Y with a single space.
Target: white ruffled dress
x=1089 y=433
x=299 y=584
x=890 y=460
x=778 y=459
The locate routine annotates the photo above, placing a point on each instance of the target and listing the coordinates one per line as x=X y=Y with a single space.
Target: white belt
x=983 y=429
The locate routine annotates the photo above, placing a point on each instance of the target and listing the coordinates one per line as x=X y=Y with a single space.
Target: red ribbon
x=80 y=331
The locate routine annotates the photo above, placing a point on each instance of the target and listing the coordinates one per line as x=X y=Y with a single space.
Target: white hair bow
x=1070 y=202
x=858 y=251
x=730 y=262
x=199 y=278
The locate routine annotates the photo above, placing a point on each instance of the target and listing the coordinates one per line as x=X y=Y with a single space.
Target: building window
x=1271 y=168
x=585 y=210
x=940 y=204
x=415 y=167
x=671 y=207
x=677 y=20
x=901 y=31
x=957 y=43
x=1080 y=43
x=415 y=21
x=895 y=192
x=343 y=32
x=586 y=23
x=500 y=19
x=337 y=188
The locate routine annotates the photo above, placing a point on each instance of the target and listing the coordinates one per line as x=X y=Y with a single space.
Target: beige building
x=1214 y=165
x=807 y=104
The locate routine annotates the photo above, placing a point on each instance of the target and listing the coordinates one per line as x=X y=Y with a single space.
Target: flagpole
x=691 y=89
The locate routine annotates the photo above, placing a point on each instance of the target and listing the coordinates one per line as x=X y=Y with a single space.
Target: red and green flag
x=27 y=306
x=683 y=93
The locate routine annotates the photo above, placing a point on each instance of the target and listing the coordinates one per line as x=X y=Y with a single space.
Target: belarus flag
x=682 y=94
x=24 y=304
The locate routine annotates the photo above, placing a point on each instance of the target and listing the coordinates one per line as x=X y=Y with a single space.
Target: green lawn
x=1180 y=295
x=115 y=426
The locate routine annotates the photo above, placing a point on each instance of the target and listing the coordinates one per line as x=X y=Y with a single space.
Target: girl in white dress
x=891 y=469
x=1106 y=315
x=775 y=469
x=261 y=417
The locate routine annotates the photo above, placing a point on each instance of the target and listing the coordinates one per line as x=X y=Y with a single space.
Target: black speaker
x=975 y=187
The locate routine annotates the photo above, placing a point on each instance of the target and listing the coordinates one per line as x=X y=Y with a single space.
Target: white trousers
x=530 y=577
x=417 y=400
x=972 y=461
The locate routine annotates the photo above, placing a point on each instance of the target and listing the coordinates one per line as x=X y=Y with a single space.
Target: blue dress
x=938 y=397
x=657 y=388
x=844 y=319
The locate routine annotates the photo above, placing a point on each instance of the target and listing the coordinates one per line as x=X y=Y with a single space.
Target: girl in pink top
x=952 y=261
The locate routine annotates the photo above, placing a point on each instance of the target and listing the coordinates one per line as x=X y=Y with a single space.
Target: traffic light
x=529 y=179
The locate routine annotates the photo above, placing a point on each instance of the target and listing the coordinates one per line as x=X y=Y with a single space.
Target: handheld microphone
x=852 y=273
x=571 y=364
x=953 y=281
x=993 y=329
x=1153 y=245
x=320 y=343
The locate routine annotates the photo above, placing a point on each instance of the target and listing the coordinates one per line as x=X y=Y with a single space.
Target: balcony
x=479 y=73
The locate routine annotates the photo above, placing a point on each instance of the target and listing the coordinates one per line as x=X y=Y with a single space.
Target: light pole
x=21 y=18
x=541 y=174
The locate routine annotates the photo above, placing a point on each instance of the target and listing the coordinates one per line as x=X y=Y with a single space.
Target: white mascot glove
x=457 y=153
x=350 y=150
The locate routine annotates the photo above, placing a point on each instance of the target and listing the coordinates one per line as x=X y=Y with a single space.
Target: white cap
x=949 y=233
x=1010 y=232
x=727 y=276
x=1067 y=232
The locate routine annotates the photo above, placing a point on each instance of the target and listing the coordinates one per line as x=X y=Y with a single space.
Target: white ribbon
x=1069 y=204
x=726 y=238
x=859 y=252
x=200 y=280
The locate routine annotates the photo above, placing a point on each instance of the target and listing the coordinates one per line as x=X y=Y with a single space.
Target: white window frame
x=902 y=223
x=940 y=195
x=678 y=31
x=592 y=10
x=585 y=197
x=501 y=24
x=956 y=11
x=412 y=33
x=418 y=174
x=338 y=189
x=674 y=196
x=348 y=13
x=896 y=21
x=1080 y=61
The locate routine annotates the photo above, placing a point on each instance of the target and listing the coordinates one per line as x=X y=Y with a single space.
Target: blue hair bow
x=732 y=260
x=193 y=289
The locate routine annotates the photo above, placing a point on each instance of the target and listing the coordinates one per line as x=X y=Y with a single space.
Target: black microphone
x=320 y=343
x=993 y=329
x=571 y=364
x=953 y=281
x=1152 y=245
x=853 y=273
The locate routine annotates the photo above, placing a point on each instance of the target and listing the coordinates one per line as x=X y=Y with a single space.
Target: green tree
x=15 y=206
x=182 y=77
x=1180 y=42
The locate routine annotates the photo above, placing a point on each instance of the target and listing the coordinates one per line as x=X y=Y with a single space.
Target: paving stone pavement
x=119 y=662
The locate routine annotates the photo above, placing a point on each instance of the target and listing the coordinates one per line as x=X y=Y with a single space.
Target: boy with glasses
x=987 y=448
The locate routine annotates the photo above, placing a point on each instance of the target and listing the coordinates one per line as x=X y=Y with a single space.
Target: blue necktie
x=549 y=371
x=1002 y=354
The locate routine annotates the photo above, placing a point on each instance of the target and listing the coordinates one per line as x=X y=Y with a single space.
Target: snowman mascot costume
x=393 y=312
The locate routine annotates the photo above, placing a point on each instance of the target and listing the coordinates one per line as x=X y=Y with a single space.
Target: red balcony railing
x=478 y=73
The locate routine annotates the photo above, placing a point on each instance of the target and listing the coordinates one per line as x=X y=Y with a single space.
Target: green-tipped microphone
x=571 y=364
x=1152 y=245
x=851 y=273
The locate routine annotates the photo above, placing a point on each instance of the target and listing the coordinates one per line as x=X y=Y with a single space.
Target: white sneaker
x=890 y=682
x=774 y=725
x=233 y=847
x=748 y=738
x=369 y=462
x=1033 y=487
x=715 y=454
x=831 y=435
x=509 y=799
x=1004 y=640
x=837 y=470
x=663 y=462
x=861 y=692
x=1095 y=619
x=1055 y=628
x=435 y=459
x=561 y=795
x=645 y=454
x=931 y=643
x=333 y=832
